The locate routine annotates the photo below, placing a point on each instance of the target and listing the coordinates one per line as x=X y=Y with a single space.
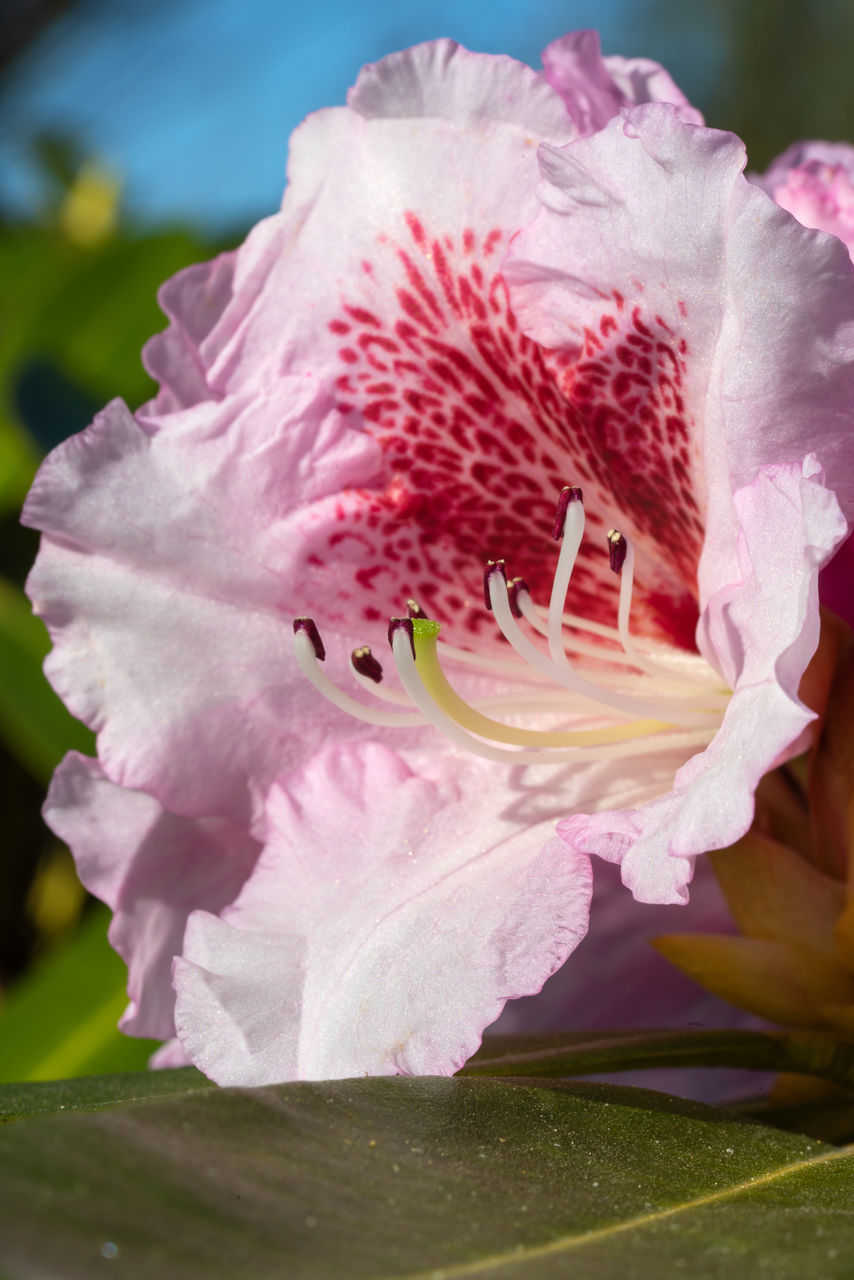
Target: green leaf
x=93 y=1093
x=61 y=1019
x=393 y=1177
x=19 y=458
x=582 y=1053
x=34 y=724
x=73 y=323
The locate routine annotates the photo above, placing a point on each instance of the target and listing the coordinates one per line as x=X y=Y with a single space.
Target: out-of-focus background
x=136 y=138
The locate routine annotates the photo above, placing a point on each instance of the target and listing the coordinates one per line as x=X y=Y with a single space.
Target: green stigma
x=425 y=629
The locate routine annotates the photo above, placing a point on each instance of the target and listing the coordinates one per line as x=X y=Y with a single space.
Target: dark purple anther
x=401 y=624
x=307 y=626
x=413 y=608
x=492 y=566
x=617 y=548
x=513 y=588
x=366 y=664
x=570 y=493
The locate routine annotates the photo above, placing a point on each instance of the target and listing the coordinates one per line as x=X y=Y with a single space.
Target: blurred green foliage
x=60 y=1020
x=34 y=724
x=74 y=319
x=786 y=71
x=78 y=304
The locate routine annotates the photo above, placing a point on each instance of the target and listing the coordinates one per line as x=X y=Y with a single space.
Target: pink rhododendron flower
x=815 y=182
x=485 y=284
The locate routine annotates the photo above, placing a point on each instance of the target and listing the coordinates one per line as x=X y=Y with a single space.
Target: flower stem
x=593 y=1052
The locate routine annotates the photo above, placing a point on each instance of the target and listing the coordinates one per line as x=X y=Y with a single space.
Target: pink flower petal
x=477 y=430
x=617 y=979
x=762 y=630
x=814 y=181
x=153 y=868
x=595 y=88
x=440 y=80
x=193 y=300
x=379 y=933
x=169 y=1055
x=228 y=504
x=642 y=80
x=196 y=701
x=754 y=314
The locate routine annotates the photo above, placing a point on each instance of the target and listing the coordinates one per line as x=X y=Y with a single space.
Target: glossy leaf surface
x=396 y=1177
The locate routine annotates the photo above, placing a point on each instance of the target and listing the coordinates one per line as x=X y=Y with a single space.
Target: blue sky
x=192 y=101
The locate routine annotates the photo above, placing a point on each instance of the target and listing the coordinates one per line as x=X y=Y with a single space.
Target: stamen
x=404 y=625
x=307 y=627
x=622 y=555
x=570 y=520
x=537 y=617
x=445 y=696
x=679 y=704
x=681 y=667
x=411 y=677
x=569 y=494
x=366 y=664
x=621 y=551
x=568 y=678
x=616 y=549
x=361 y=670
x=515 y=587
x=492 y=566
x=309 y=652
x=676 y=682
x=535 y=698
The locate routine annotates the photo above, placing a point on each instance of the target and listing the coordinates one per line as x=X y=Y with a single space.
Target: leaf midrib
x=565 y=1244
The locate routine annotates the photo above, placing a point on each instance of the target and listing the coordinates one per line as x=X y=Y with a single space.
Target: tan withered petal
x=781 y=809
x=790 y=895
x=831 y=783
x=784 y=983
x=843 y=936
x=791 y=1089
x=834 y=646
x=839 y=1018
x=777 y=896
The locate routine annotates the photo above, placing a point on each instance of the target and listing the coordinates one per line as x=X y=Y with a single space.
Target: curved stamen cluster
x=659 y=698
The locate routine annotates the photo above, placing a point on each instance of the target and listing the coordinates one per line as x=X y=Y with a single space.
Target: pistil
x=480 y=735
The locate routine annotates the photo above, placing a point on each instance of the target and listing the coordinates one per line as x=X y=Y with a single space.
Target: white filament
x=538 y=619
x=627 y=578
x=567 y=678
x=414 y=686
x=573 y=532
x=308 y=665
x=536 y=698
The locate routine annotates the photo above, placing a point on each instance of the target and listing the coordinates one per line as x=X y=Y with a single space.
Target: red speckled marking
x=480 y=429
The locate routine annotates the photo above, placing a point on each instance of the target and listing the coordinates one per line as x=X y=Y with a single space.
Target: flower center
x=668 y=698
